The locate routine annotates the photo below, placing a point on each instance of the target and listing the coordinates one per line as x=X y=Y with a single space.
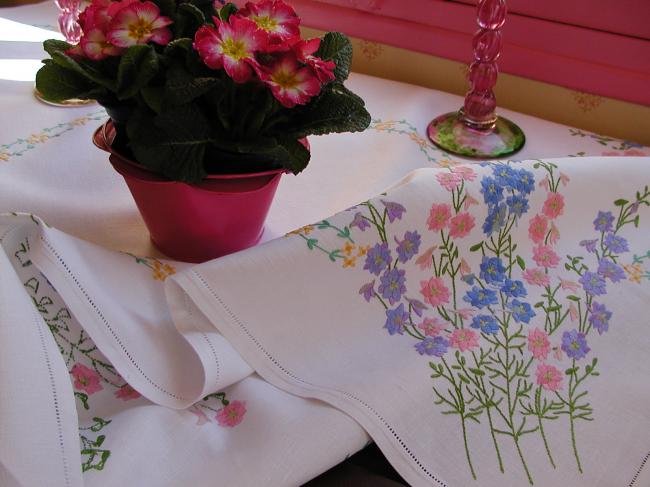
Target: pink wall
x=597 y=46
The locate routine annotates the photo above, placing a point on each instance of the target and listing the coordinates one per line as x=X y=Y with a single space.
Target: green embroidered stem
x=469 y=460
x=523 y=461
x=538 y=394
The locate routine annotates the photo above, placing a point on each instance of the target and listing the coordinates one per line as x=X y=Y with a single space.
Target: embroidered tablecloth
x=74 y=402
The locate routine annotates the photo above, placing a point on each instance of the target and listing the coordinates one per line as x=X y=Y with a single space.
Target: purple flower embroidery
x=393 y=210
x=360 y=222
x=436 y=346
x=599 y=317
x=392 y=285
x=593 y=283
x=604 y=220
x=396 y=319
x=368 y=290
x=590 y=245
x=378 y=258
x=616 y=244
x=608 y=269
x=574 y=344
x=417 y=306
x=408 y=247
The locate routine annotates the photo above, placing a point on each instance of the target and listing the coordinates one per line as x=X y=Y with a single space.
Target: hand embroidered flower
x=574 y=344
x=378 y=258
x=425 y=260
x=86 y=379
x=434 y=291
x=126 y=393
x=464 y=339
x=538 y=344
x=536 y=277
x=599 y=317
x=480 y=298
x=466 y=173
x=431 y=326
x=593 y=284
x=368 y=290
x=460 y=225
x=604 y=221
x=549 y=377
x=611 y=271
x=554 y=205
x=396 y=319
x=616 y=244
x=360 y=222
x=231 y=415
x=392 y=285
x=486 y=323
x=394 y=211
x=513 y=288
x=439 y=215
x=409 y=246
x=545 y=256
x=537 y=229
x=436 y=346
x=492 y=270
x=449 y=180
x=521 y=311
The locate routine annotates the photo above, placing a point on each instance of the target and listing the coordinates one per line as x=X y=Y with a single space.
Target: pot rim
x=105 y=133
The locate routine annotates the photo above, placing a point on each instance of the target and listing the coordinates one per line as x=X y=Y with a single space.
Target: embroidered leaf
x=311 y=243
x=571 y=371
x=621 y=202
x=476 y=247
x=521 y=263
x=573 y=297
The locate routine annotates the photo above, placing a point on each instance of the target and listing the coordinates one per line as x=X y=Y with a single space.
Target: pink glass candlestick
x=476 y=130
x=68 y=19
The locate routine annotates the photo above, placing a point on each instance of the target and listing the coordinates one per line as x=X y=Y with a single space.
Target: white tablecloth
x=49 y=167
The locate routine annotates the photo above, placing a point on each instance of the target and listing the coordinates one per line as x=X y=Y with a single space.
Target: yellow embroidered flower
x=170 y=270
x=79 y=121
x=161 y=271
x=388 y=124
x=446 y=163
x=349 y=261
x=37 y=138
x=415 y=137
x=348 y=248
x=307 y=229
x=634 y=272
x=4 y=156
x=363 y=250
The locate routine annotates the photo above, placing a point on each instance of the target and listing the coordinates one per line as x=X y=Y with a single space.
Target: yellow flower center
x=285 y=79
x=234 y=49
x=266 y=23
x=140 y=29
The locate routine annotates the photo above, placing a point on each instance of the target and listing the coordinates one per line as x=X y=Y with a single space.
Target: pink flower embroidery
x=537 y=228
x=232 y=414
x=549 y=377
x=464 y=339
x=469 y=201
x=449 y=180
x=544 y=183
x=573 y=312
x=139 y=23
x=126 y=393
x=465 y=269
x=536 y=277
x=434 y=291
x=557 y=353
x=569 y=285
x=231 y=46
x=544 y=256
x=438 y=217
x=564 y=179
x=290 y=83
x=86 y=379
x=627 y=153
x=466 y=173
x=425 y=260
x=465 y=313
x=460 y=225
x=431 y=326
x=201 y=417
x=538 y=344
x=554 y=205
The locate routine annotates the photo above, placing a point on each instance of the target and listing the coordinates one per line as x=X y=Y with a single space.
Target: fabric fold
x=477 y=321
x=119 y=301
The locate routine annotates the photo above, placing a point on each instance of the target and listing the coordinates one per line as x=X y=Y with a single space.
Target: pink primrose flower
x=232 y=414
x=434 y=291
x=274 y=17
x=94 y=45
x=537 y=228
x=464 y=339
x=86 y=379
x=554 y=205
x=139 y=23
x=126 y=393
x=424 y=261
x=231 y=46
x=536 y=277
x=538 y=344
x=304 y=51
x=460 y=225
x=545 y=256
x=431 y=326
x=449 y=180
x=439 y=215
x=549 y=377
x=291 y=83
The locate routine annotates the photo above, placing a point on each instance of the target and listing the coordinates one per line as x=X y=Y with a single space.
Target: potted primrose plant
x=208 y=106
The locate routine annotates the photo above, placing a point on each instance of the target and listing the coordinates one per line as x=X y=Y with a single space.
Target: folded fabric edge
x=227 y=323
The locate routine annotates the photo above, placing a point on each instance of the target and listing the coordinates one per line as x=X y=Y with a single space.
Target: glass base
x=452 y=135
x=73 y=102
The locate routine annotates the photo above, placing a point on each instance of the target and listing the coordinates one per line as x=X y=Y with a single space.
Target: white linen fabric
x=481 y=322
x=64 y=341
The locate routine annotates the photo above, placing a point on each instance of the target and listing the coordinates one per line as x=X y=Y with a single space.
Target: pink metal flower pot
x=199 y=222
